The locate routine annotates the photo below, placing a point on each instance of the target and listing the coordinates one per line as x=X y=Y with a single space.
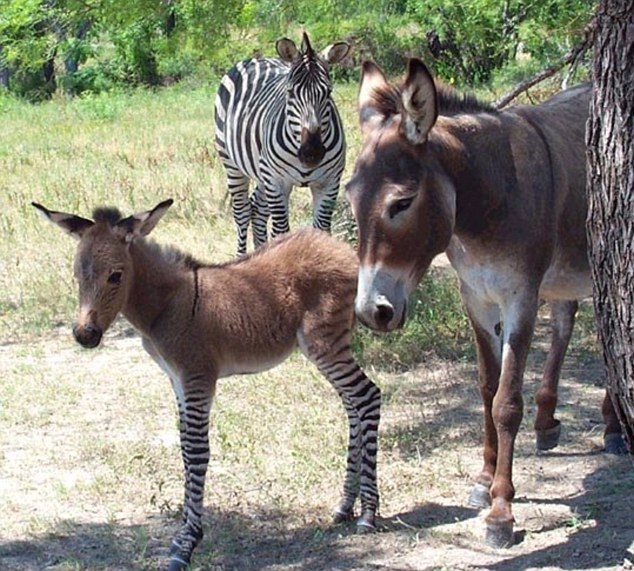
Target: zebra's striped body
x=277 y=124
x=204 y=322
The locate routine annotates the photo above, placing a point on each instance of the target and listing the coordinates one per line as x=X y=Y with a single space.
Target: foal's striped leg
x=329 y=349
x=194 y=408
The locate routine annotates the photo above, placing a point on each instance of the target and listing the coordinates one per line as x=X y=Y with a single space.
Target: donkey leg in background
x=547 y=427
x=612 y=437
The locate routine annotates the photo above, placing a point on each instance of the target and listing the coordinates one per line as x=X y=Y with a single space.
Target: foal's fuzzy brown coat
x=202 y=322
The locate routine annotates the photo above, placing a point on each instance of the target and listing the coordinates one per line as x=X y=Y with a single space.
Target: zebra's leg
x=547 y=427
x=238 y=185
x=277 y=201
x=329 y=348
x=259 y=216
x=194 y=408
x=324 y=201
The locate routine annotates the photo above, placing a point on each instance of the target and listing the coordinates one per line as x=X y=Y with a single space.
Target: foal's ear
x=71 y=224
x=370 y=108
x=334 y=53
x=287 y=50
x=143 y=223
x=420 y=103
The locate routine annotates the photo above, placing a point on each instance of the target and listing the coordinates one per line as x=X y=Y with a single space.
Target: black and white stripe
x=276 y=123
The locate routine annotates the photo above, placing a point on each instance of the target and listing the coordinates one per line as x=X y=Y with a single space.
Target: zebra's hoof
x=614 y=444
x=549 y=438
x=177 y=564
x=500 y=535
x=479 y=497
x=341 y=515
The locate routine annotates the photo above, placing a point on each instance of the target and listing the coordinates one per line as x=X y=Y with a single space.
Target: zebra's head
x=308 y=101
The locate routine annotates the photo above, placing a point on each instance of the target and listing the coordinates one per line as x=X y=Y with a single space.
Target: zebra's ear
x=420 y=104
x=143 y=223
x=287 y=50
x=371 y=108
x=334 y=53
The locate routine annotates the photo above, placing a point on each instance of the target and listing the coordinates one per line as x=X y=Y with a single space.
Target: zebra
x=276 y=123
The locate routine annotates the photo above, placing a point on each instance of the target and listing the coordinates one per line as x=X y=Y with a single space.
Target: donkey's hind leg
x=612 y=437
x=329 y=348
x=547 y=427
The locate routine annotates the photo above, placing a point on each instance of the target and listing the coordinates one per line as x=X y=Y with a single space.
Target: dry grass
x=90 y=470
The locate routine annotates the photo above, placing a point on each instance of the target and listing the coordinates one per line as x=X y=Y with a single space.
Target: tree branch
x=570 y=58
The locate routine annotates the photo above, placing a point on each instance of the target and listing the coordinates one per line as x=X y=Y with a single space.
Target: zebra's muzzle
x=311 y=150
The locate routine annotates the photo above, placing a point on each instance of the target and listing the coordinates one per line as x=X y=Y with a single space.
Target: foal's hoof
x=499 y=535
x=614 y=444
x=366 y=523
x=479 y=497
x=549 y=438
x=177 y=564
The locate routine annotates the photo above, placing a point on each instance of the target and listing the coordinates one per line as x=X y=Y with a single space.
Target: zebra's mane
x=387 y=98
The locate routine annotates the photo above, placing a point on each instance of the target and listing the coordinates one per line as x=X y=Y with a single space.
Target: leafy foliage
x=46 y=45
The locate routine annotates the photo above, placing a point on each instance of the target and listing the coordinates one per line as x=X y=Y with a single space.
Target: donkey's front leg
x=486 y=322
x=194 y=397
x=518 y=316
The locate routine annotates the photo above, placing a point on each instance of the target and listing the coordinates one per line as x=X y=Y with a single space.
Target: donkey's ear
x=287 y=50
x=143 y=223
x=71 y=224
x=370 y=109
x=420 y=102
x=334 y=53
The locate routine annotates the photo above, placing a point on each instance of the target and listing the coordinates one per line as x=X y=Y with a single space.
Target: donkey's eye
x=115 y=278
x=400 y=206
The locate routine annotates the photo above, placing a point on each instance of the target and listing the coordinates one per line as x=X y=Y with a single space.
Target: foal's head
x=403 y=203
x=103 y=265
x=308 y=91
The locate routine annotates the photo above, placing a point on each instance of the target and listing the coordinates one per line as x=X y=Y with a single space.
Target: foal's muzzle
x=88 y=336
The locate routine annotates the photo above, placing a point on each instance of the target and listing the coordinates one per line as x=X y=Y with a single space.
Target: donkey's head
x=103 y=265
x=403 y=203
x=308 y=94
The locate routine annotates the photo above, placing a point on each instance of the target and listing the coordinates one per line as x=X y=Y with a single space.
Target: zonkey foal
x=202 y=322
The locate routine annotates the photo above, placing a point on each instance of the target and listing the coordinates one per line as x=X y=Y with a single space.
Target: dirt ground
x=574 y=507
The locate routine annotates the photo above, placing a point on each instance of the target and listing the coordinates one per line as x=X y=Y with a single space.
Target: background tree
x=611 y=200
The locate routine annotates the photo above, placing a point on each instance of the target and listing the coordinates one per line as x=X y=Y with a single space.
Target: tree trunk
x=4 y=71
x=610 y=140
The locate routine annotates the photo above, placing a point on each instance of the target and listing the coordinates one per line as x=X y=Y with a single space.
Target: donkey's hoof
x=500 y=535
x=614 y=444
x=479 y=497
x=366 y=523
x=549 y=438
x=177 y=564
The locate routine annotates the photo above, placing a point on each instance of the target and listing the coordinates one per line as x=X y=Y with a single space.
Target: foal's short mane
x=387 y=98
x=107 y=214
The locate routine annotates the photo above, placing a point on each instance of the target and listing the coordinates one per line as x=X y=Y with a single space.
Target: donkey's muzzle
x=88 y=336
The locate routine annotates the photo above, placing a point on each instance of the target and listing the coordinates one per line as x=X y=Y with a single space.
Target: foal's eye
x=400 y=206
x=115 y=278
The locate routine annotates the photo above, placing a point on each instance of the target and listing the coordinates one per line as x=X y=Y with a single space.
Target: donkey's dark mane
x=387 y=98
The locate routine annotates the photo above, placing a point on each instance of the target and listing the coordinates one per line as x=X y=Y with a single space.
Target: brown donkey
x=202 y=322
x=503 y=193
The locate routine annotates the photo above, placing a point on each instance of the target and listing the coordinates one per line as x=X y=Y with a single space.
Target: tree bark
x=610 y=139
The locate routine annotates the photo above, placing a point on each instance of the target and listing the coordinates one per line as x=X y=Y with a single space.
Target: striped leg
x=324 y=201
x=259 y=216
x=240 y=205
x=194 y=433
x=277 y=200
x=329 y=349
